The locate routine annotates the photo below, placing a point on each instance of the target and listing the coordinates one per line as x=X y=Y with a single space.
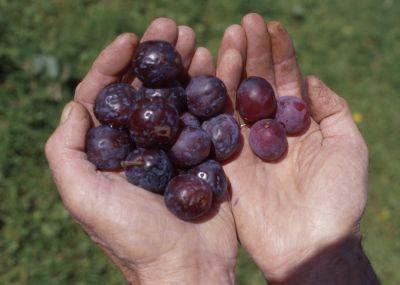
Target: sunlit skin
x=287 y=211
x=147 y=242
x=283 y=212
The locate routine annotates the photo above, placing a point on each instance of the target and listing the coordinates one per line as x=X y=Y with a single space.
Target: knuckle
x=341 y=103
x=288 y=65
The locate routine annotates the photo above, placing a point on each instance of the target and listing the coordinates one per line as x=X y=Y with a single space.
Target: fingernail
x=275 y=28
x=125 y=35
x=66 y=112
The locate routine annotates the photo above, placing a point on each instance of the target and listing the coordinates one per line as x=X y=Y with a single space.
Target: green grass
x=47 y=46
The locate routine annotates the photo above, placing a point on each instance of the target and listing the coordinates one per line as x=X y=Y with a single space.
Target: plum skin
x=192 y=147
x=156 y=63
x=188 y=197
x=114 y=104
x=225 y=135
x=206 y=96
x=188 y=120
x=149 y=169
x=212 y=172
x=255 y=99
x=154 y=123
x=107 y=147
x=267 y=139
x=174 y=94
x=293 y=113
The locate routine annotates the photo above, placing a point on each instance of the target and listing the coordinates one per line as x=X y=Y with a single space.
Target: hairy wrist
x=343 y=262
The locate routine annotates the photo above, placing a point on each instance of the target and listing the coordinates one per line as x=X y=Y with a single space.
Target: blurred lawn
x=47 y=46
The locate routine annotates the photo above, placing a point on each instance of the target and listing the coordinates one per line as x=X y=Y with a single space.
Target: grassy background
x=47 y=46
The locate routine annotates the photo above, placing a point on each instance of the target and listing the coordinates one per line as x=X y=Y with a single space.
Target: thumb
x=332 y=113
x=65 y=152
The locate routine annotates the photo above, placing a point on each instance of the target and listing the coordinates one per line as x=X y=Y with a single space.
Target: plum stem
x=136 y=162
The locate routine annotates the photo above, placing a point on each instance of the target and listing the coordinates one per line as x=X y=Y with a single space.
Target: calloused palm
x=133 y=226
x=288 y=210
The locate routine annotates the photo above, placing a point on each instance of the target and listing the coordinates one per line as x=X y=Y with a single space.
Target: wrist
x=190 y=272
x=341 y=262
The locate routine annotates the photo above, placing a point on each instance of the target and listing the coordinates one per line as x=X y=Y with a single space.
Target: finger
x=202 y=63
x=92 y=197
x=259 y=53
x=331 y=112
x=109 y=66
x=229 y=71
x=186 y=45
x=65 y=152
x=287 y=73
x=234 y=38
x=162 y=29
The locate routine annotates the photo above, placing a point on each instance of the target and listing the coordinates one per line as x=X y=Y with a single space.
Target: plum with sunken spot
x=293 y=113
x=149 y=169
x=225 y=135
x=156 y=63
x=113 y=106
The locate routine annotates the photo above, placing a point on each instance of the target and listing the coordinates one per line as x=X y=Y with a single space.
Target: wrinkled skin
x=295 y=207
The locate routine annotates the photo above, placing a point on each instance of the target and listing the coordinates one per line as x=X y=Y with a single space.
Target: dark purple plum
x=267 y=139
x=188 y=120
x=293 y=113
x=150 y=169
x=156 y=63
x=175 y=95
x=107 y=147
x=206 y=96
x=192 y=147
x=188 y=197
x=113 y=106
x=255 y=99
x=212 y=172
x=225 y=135
x=154 y=123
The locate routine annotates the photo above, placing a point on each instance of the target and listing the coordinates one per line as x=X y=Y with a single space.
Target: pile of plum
x=166 y=138
x=272 y=119
x=169 y=137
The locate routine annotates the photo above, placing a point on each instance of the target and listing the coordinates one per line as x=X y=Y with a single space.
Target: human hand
x=148 y=243
x=291 y=212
